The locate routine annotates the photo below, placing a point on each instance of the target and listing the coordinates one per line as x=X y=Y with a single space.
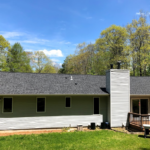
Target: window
x=40 y=104
x=68 y=103
x=140 y=106
x=7 y=105
x=96 y=105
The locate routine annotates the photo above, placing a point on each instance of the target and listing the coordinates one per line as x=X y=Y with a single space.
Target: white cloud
x=60 y=64
x=28 y=41
x=50 y=53
x=53 y=53
x=11 y=34
x=145 y=14
x=40 y=41
x=138 y=13
x=55 y=60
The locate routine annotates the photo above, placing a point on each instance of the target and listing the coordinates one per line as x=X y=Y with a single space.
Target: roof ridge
x=51 y=73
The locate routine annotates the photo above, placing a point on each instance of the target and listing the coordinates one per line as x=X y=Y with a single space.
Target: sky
x=57 y=26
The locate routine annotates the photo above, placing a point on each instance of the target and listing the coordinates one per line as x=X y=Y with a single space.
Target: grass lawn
x=103 y=139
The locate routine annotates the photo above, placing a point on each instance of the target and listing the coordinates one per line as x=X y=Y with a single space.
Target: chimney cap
x=111 y=66
x=118 y=62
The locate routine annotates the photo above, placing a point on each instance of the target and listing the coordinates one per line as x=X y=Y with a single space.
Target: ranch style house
x=33 y=100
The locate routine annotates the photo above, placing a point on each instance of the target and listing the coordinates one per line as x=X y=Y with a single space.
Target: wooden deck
x=137 y=125
x=136 y=121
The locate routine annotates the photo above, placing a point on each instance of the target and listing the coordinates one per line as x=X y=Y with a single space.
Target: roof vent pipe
x=71 y=78
x=118 y=63
x=111 y=66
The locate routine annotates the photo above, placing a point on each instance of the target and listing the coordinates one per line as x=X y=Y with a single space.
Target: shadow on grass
x=142 y=136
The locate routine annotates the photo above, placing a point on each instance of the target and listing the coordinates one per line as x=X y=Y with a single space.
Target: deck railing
x=138 y=119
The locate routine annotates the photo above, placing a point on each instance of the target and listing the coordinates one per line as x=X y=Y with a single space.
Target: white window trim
x=70 y=101
x=93 y=105
x=44 y=107
x=3 y=105
x=139 y=98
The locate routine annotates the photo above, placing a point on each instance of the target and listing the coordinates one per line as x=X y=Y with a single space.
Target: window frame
x=44 y=107
x=3 y=105
x=70 y=101
x=139 y=98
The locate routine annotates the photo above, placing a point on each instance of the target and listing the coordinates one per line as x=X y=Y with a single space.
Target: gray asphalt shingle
x=35 y=83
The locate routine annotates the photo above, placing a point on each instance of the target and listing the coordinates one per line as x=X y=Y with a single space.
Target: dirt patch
x=39 y=131
x=120 y=130
x=18 y=132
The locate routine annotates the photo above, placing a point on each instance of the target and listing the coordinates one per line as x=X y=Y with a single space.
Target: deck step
x=130 y=129
x=136 y=128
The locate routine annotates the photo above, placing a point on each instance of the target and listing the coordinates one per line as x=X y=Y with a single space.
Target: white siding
x=119 y=96
x=48 y=122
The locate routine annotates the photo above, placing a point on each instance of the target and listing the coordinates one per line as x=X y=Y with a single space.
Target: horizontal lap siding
x=57 y=115
x=24 y=106
x=120 y=97
x=48 y=122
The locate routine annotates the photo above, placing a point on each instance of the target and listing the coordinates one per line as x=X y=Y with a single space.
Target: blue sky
x=57 y=26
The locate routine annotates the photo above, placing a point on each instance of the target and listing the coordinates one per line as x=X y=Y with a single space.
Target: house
x=32 y=100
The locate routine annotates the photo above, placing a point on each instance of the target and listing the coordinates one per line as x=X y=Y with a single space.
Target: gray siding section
x=108 y=109
x=108 y=81
x=57 y=115
x=104 y=108
x=119 y=96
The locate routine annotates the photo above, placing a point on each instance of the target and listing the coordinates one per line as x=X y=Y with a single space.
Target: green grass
x=103 y=139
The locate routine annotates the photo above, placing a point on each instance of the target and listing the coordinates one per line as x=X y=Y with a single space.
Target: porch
x=136 y=120
x=139 y=112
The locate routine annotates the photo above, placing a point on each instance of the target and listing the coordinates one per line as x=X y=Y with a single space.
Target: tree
x=17 y=59
x=139 y=37
x=48 y=68
x=4 y=46
x=115 y=39
x=67 y=66
x=41 y=63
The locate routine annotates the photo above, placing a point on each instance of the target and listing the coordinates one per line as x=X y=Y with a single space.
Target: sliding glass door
x=135 y=106
x=140 y=106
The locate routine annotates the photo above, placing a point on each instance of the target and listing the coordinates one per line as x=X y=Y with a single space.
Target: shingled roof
x=36 y=83
x=54 y=84
x=140 y=85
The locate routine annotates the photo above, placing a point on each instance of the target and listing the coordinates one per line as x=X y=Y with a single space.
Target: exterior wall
x=108 y=82
x=108 y=109
x=119 y=96
x=81 y=112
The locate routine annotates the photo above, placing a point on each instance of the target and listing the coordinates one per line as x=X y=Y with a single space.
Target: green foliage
x=41 y=63
x=48 y=68
x=139 y=37
x=95 y=140
x=130 y=45
x=4 y=46
x=17 y=59
x=115 y=45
